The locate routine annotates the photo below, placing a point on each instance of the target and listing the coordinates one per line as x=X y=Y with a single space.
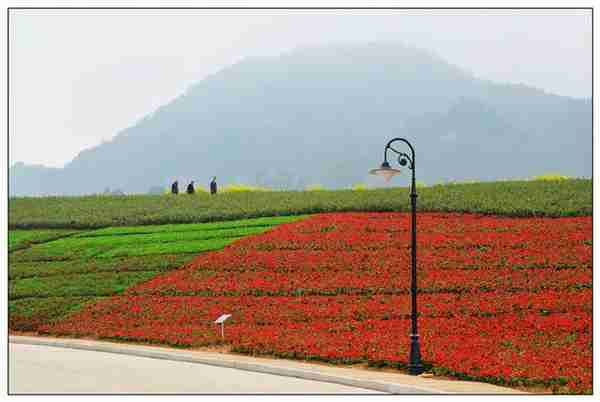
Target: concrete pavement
x=186 y=371
x=48 y=370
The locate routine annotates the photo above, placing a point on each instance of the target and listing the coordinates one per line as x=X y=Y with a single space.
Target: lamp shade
x=385 y=171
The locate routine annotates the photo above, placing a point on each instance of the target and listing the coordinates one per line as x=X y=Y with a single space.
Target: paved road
x=43 y=369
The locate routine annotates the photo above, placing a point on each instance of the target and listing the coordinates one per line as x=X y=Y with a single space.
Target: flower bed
x=504 y=300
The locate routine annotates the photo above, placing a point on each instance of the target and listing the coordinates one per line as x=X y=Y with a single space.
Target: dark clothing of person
x=213 y=187
x=175 y=188
x=190 y=188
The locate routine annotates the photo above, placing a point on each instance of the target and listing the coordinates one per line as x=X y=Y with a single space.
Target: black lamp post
x=415 y=367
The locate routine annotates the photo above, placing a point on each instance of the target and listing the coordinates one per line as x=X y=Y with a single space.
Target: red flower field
x=504 y=300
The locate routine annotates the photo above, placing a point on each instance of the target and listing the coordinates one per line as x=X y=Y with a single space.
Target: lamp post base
x=415 y=367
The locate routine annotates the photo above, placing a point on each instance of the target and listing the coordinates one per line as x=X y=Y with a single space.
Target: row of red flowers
x=503 y=299
x=526 y=344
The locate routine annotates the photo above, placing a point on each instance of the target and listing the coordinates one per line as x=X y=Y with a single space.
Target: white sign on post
x=221 y=320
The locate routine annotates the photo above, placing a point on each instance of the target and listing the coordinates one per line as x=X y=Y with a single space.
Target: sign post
x=221 y=320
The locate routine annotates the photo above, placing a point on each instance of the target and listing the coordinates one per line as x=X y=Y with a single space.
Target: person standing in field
x=190 y=188
x=213 y=185
x=175 y=188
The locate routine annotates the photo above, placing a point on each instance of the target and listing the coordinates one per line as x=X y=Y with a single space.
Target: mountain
x=323 y=115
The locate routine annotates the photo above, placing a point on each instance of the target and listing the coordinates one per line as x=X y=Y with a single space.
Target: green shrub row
x=27 y=314
x=131 y=241
x=92 y=284
x=567 y=197
x=162 y=263
x=19 y=239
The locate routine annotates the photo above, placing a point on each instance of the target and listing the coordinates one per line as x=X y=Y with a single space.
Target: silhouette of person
x=190 y=188
x=175 y=188
x=213 y=185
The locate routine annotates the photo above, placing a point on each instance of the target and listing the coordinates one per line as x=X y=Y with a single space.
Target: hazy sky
x=78 y=77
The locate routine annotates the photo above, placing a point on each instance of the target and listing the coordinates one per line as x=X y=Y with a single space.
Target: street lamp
x=415 y=367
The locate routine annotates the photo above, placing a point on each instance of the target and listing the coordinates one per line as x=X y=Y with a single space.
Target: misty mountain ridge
x=323 y=115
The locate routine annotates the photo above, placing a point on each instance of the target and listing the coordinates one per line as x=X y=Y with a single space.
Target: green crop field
x=55 y=272
x=158 y=263
x=18 y=239
x=512 y=198
x=133 y=245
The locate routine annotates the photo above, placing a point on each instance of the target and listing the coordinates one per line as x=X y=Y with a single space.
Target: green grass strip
x=163 y=263
x=18 y=239
x=194 y=227
x=158 y=242
x=168 y=248
x=29 y=313
x=104 y=247
x=96 y=284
